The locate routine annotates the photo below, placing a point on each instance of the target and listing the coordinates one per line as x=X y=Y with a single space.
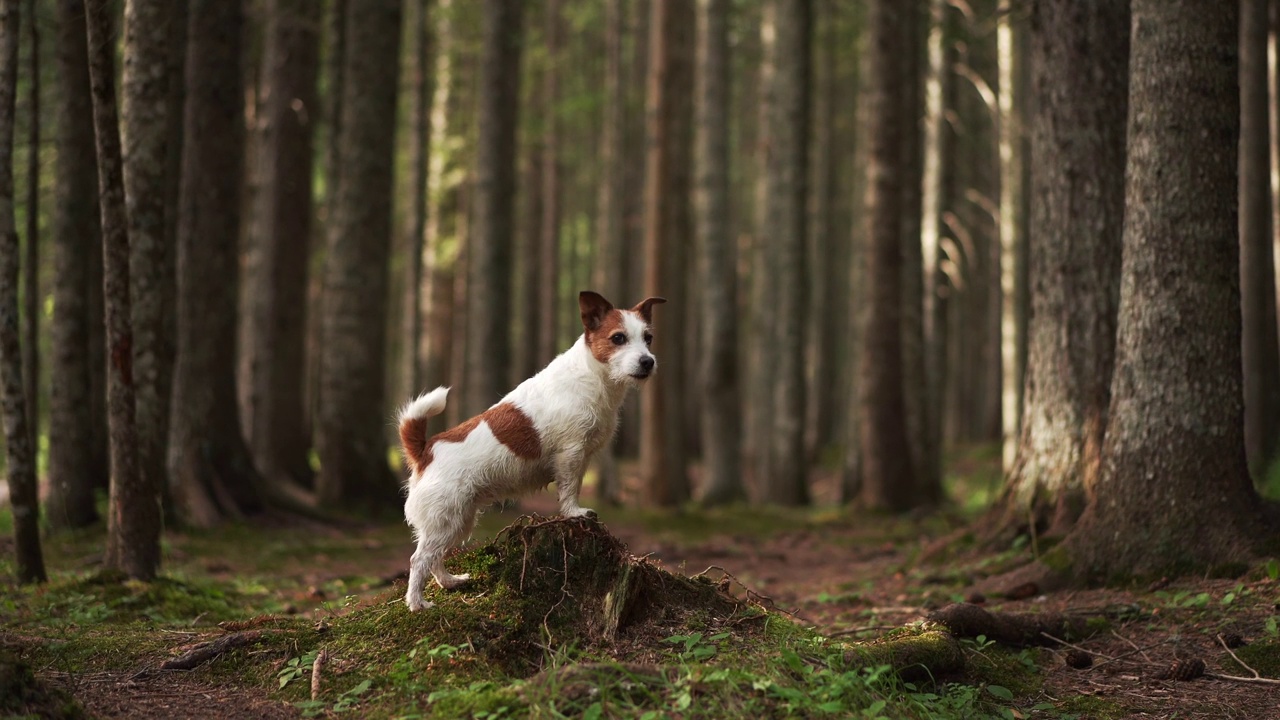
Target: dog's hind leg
x=452 y=530
x=418 y=568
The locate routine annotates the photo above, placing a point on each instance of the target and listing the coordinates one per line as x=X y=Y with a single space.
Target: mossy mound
x=570 y=583
x=23 y=694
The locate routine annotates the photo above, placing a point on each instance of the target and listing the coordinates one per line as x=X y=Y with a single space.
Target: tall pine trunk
x=1079 y=57
x=145 y=133
x=1173 y=463
x=31 y=248
x=549 y=234
x=1261 y=346
x=786 y=192
x=209 y=462
x=133 y=516
x=888 y=478
x=721 y=411
x=491 y=244
x=663 y=457
x=73 y=470
x=20 y=457
x=350 y=439
x=278 y=428
x=420 y=20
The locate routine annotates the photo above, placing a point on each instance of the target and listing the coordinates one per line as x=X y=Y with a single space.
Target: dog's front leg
x=571 y=464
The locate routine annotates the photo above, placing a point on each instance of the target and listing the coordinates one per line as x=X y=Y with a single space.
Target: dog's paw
x=449 y=582
x=581 y=512
x=417 y=603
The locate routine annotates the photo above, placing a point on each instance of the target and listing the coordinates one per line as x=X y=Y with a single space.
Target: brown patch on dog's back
x=602 y=348
x=509 y=424
x=513 y=428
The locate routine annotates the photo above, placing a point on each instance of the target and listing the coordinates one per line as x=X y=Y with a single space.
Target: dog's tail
x=413 y=426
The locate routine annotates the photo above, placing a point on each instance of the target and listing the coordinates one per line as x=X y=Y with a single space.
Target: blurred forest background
x=889 y=233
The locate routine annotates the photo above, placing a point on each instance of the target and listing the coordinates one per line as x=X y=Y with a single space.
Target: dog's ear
x=594 y=307
x=645 y=308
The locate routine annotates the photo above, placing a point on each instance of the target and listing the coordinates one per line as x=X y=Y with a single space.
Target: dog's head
x=619 y=338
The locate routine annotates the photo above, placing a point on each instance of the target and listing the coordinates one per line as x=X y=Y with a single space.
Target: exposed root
x=1021 y=629
x=206 y=651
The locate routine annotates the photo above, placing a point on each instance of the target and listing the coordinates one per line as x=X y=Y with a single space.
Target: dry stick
x=1257 y=678
x=855 y=631
x=752 y=594
x=207 y=651
x=316 y=668
x=1135 y=647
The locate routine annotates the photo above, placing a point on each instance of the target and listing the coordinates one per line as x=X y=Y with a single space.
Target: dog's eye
x=619 y=338
x=648 y=338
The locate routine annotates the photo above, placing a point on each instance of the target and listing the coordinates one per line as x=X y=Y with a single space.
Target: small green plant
x=296 y=668
x=1273 y=569
x=696 y=648
x=351 y=698
x=1271 y=627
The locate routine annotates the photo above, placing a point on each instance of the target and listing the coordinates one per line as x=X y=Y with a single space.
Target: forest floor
x=845 y=577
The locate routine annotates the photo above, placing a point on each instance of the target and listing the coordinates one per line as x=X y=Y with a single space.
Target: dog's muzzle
x=646 y=368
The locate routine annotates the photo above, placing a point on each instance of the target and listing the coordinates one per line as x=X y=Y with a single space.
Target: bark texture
x=607 y=275
x=20 y=457
x=209 y=463
x=420 y=20
x=787 y=175
x=73 y=472
x=663 y=455
x=491 y=244
x=1261 y=346
x=133 y=521
x=721 y=411
x=351 y=440
x=278 y=427
x=145 y=134
x=1173 y=464
x=888 y=477
x=1079 y=59
x=31 y=295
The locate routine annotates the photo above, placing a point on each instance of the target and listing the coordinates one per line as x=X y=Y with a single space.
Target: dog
x=543 y=431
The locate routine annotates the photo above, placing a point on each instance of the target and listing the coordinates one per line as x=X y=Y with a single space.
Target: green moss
x=1262 y=655
x=22 y=694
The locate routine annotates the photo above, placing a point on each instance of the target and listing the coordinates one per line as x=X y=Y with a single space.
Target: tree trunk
x=936 y=156
x=437 y=265
x=420 y=21
x=549 y=235
x=73 y=472
x=607 y=276
x=278 y=435
x=209 y=463
x=1079 y=58
x=350 y=438
x=1012 y=339
x=663 y=461
x=915 y=385
x=1173 y=463
x=20 y=457
x=145 y=133
x=888 y=476
x=762 y=289
x=785 y=195
x=490 y=248
x=31 y=250
x=1261 y=346
x=721 y=414
x=133 y=520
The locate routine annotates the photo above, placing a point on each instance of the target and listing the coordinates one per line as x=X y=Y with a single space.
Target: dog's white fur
x=573 y=405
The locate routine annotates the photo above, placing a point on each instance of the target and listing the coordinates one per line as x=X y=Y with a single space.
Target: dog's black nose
x=646 y=363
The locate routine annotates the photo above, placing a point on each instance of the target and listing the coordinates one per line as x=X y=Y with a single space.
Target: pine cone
x=1183 y=670
x=1233 y=640
x=1078 y=659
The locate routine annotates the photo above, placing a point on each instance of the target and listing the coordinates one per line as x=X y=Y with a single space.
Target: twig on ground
x=316 y=668
x=752 y=595
x=204 y=652
x=1135 y=647
x=1236 y=657
x=1060 y=641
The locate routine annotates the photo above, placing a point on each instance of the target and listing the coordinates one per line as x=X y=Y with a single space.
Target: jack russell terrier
x=545 y=430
